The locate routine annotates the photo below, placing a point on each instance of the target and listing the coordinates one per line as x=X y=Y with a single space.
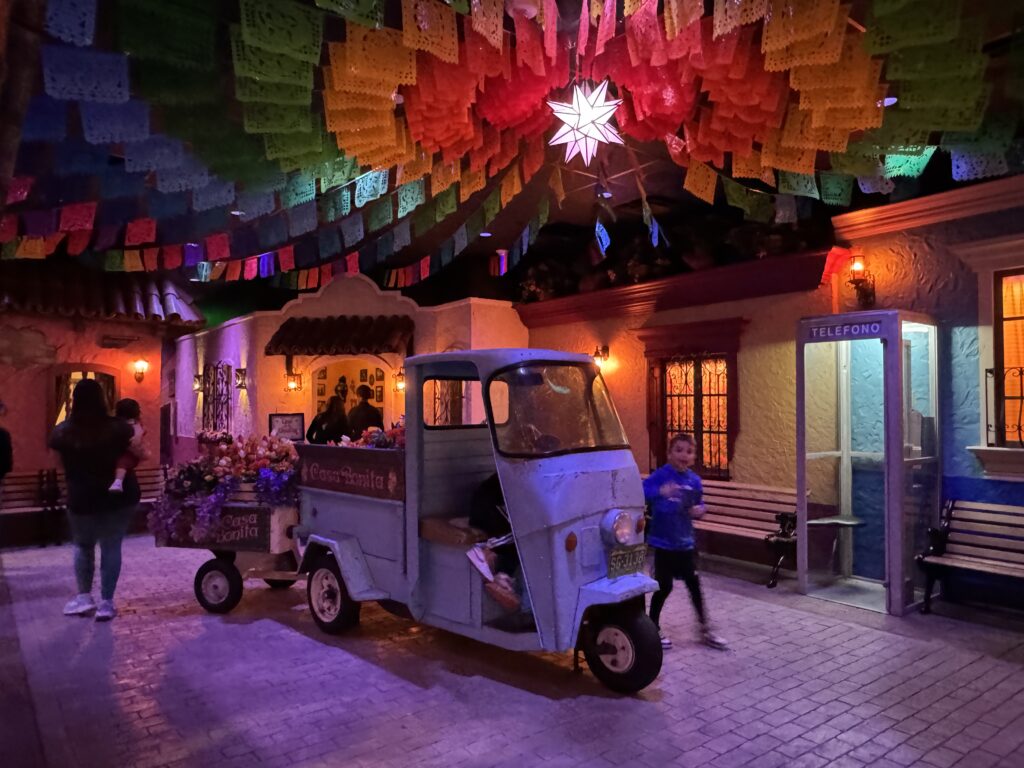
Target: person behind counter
x=330 y=425
x=363 y=416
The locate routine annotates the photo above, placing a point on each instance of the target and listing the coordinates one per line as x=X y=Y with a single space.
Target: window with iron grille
x=217 y=397
x=692 y=387
x=443 y=401
x=1006 y=423
x=696 y=397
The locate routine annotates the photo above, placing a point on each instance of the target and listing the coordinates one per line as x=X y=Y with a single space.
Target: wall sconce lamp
x=239 y=378
x=601 y=355
x=399 y=380
x=140 y=367
x=292 y=380
x=197 y=383
x=863 y=283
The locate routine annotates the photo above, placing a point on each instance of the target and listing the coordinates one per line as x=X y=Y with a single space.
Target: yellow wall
x=766 y=445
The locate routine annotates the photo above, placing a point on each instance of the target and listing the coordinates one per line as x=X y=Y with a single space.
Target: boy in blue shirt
x=675 y=494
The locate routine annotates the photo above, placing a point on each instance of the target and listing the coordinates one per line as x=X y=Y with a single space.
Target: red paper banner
x=18 y=189
x=286 y=258
x=78 y=242
x=351 y=262
x=424 y=268
x=8 y=227
x=326 y=275
x=234 y=270
x=52 y=241
x=132 y=261
x=151 y=259
x=77 y=217
x=140 y=232
x=252 y=268
x=172 y=256
x=218 y=247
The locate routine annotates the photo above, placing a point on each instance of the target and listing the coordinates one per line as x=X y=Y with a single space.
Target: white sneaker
x=80 y=605
x=666 y=641
x=478 y=557
x=117 y=486
x=106 y=610
x=712 y=640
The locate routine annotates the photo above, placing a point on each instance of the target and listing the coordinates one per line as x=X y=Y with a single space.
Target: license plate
x=626 y=560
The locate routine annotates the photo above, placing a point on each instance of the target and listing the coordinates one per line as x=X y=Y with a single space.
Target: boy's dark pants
x=668 y=566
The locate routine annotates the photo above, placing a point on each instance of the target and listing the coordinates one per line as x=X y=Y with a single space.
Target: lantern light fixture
x=585 y=122
x=292 y=380
x=399 y=380
x=863 y=282
x=601 y=355
x=240 y=382
x=140 y=367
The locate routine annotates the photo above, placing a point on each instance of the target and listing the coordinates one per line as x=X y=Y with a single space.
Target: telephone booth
x=868 y=469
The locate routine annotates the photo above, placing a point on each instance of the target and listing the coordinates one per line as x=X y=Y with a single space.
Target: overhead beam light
x=485 y=234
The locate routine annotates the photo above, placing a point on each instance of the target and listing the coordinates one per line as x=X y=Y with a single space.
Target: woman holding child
x=91 y=444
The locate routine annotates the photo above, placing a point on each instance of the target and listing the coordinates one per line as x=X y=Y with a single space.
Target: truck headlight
x=619 y=527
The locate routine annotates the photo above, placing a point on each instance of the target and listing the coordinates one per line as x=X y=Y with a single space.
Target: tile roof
x=73 y=291
x=343 y=335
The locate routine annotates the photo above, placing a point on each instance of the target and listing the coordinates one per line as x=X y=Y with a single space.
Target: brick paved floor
x=805 y=684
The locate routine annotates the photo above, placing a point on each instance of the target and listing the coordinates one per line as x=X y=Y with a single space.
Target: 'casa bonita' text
x=846 y=330
x=347 y=477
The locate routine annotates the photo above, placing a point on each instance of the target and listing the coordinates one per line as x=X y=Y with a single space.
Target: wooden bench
x=973 y=536
x=151 y=484
x=752 y=512
x=31 y=501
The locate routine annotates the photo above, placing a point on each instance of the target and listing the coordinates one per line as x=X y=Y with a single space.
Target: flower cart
x=238 y=500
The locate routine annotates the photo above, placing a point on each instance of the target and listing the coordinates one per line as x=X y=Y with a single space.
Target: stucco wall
x=765 y=450
x=917 y=270
x=240 y=342
x=31 y=350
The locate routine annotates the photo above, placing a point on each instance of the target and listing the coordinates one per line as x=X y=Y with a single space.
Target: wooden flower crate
x=246 y=525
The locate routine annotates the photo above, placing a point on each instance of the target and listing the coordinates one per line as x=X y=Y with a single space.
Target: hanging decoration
x=585 y=122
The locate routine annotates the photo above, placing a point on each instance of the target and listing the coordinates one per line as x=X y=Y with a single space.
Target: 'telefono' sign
x=846 y=330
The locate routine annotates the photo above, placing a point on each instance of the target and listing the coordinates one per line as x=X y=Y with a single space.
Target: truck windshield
x=543 y=409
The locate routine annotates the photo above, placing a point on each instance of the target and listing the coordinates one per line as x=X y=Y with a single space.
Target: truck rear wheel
x=329 y=602
x=623 y=650
x=218 y=586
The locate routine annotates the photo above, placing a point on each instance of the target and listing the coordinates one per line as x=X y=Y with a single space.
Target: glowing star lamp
x=585 y=123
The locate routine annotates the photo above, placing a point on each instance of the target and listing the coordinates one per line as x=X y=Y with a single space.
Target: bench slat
x=738 y=522
x=985 y=553
x=977 y=564
x=712 y=527
x=986 y=542
x=751 y=517
x=965 y=526
x=988 y=518
x=760 y=506
x=732 y=487
x=750 y=498
x=1004 y=509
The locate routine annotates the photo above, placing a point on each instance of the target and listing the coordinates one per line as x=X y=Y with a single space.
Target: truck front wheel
x=623 y=650
x=329 y=602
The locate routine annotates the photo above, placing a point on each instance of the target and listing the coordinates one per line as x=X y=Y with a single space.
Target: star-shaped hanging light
x=585 y=123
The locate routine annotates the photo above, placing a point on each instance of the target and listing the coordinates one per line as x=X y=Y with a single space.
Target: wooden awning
x=343 y=335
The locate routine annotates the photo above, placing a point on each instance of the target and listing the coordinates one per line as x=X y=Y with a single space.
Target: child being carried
x=130 y=411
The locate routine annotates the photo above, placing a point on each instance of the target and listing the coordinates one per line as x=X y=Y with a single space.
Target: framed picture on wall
x=379 y=374
x=321 y=406
x=363 y=374
x=290 y=425
x=321 y=390
x=322 y=373
x=379 y=395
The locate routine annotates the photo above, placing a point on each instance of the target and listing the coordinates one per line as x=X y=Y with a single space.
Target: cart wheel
x=623 y=650
x=218 y=586
x=333 y=610
x=279 y=583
